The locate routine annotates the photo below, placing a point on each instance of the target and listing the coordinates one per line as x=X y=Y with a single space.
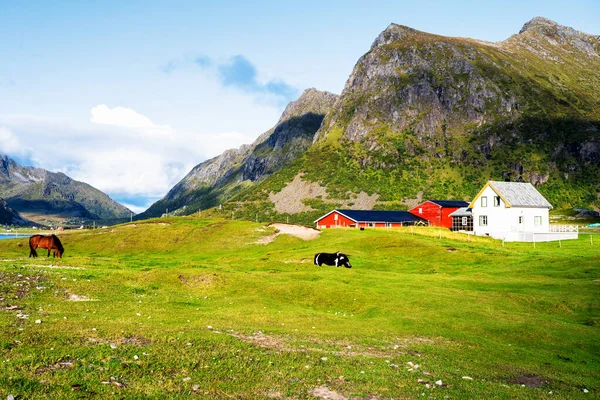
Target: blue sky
x=130 y=95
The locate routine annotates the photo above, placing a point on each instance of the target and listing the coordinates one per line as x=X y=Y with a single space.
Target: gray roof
x=520 y=194
x=461 y=212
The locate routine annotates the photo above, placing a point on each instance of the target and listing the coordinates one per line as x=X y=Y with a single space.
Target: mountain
x=45 y=196
x=221 y=178
x=429 y=116
x=8 y=216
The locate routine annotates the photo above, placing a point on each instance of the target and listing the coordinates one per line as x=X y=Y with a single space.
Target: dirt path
x=302 y=232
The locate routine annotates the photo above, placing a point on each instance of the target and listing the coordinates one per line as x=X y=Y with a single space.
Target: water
x=13 y=236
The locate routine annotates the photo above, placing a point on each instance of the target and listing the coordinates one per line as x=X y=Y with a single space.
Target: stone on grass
x=38 y=321
x=439 y=383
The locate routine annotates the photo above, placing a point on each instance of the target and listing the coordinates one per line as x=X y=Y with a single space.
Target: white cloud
x=120 y=116
x=10 y=143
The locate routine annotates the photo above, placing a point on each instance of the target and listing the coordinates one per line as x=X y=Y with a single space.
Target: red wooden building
x=368 y=219
x=437 y=212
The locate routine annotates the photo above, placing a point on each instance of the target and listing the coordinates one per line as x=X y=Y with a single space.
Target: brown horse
x=52 y=243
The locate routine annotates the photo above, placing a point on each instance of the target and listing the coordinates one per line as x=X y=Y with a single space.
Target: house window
x=483 y=220
x=537 y=221
x=420 y=211
x=520 y=219
x=371 y=225
x=335 y=217
x=464 y=221
x=483 y=201
x=496 y=201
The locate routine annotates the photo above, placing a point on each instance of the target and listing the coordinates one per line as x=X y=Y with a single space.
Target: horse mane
x=58 y=244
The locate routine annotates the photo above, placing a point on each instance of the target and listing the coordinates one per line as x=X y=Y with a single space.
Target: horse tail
x=32 y=252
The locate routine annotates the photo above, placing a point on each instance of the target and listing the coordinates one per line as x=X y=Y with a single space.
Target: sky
x=129 y=96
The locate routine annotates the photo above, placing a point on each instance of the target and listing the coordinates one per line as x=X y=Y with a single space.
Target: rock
x=586 y=214
x=439 y=383
x=38 y=321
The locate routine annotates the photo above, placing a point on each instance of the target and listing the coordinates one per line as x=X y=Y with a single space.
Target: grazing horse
x=52 y=243
x=338 y=259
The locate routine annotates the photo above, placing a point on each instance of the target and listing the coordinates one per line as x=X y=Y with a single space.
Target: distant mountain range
x=49 y=197
x=422 y=116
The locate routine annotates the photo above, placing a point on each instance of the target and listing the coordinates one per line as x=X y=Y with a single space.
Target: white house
x=514 y=211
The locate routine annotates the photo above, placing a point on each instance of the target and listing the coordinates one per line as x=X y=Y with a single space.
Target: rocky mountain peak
x=538 y=22
x=311 y=100
x=544 y=31
x=392 y=33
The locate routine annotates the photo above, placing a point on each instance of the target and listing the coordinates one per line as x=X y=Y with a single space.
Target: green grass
x=455 y=307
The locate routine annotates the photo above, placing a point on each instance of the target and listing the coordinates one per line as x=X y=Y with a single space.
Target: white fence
x=564 y=228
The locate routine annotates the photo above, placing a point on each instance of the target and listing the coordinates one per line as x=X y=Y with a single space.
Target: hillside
x=221 y=178
x=47 y=197
x=428 y=116
x=187 y=307
x=8 y=216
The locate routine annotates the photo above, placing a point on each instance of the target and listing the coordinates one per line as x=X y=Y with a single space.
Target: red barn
x=367 y=219
x=437 y=212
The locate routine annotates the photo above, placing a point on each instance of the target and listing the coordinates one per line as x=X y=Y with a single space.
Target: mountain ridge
x=218 y=179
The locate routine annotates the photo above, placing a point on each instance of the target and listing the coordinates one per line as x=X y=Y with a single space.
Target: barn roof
x=516 y=194
x=450 y=203
x=380 y=216
x=461 y=212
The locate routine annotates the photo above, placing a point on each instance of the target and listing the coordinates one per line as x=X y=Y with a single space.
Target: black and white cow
x=338 y=259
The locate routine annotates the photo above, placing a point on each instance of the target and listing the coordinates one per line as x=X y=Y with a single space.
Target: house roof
x=461 y=212
x=516 y=194
x=377 y=216
x=450 y=203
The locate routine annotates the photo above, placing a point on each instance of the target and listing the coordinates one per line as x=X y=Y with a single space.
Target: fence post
x=591 y=241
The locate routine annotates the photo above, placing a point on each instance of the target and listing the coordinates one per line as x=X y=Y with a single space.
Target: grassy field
x=183 y=307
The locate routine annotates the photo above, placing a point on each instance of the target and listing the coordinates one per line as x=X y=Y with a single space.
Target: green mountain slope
x=45 y=196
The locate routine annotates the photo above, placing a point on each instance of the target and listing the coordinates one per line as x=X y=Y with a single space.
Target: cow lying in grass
x=338 y=259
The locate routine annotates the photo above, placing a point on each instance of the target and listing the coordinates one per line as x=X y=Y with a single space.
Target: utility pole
x=131 y=217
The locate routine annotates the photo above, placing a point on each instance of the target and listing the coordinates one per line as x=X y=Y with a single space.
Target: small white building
x=515 y=212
